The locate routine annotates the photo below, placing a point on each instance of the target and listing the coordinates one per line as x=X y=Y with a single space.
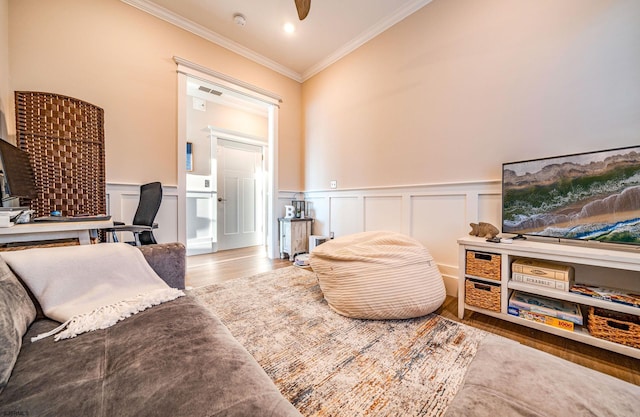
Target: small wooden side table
x=294 y=236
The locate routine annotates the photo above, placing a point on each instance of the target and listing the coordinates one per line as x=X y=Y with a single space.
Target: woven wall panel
x=65 y=139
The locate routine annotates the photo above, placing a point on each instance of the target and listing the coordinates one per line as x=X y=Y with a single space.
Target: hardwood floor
x=225 y=265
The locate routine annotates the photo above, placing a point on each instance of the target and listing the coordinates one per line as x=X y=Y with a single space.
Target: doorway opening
x=241 y=210
x=229 y=202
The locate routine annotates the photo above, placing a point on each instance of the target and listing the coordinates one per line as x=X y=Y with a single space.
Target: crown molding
x=199 y=30
x=365 y=37
x=196 y=29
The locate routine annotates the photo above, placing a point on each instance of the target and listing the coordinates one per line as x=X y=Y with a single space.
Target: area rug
x=329 y=365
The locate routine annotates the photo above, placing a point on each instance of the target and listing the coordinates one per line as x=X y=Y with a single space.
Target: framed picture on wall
x=189 y=156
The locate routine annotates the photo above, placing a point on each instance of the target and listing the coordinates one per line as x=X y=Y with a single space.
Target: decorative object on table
x=482 y=229
x=378 y=275
x=300 y=208
x=289 y=212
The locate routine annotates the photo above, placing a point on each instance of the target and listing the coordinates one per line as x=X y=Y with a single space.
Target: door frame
x=251 y=93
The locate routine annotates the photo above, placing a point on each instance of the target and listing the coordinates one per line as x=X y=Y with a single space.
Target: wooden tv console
x=593 y=266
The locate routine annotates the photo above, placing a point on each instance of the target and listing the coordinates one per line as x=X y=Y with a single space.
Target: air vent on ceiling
x=209 y=90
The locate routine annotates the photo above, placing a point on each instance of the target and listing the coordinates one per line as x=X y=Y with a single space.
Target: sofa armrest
x=168 y=260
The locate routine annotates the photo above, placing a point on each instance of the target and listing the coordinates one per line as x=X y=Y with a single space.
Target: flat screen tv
x=586 y=196
x=18 y=173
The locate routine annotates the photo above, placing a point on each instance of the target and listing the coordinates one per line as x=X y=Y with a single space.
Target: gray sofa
x=506 y=378
x=175 y=359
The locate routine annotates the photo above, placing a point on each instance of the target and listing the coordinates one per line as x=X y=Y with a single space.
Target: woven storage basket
x=482 y=294
x=614 y=326
x=483 y=265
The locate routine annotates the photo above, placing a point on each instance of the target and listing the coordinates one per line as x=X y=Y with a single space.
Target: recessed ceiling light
x=289 y=28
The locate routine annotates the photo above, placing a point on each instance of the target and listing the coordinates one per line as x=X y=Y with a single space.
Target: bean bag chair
x=378 y=275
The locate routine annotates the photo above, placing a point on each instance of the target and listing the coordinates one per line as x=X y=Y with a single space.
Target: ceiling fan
x=303 y=7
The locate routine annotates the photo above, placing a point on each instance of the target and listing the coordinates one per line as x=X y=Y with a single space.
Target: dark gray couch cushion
x=175 y=359
x=510 y=379
x=17 y=312
x=168 y=260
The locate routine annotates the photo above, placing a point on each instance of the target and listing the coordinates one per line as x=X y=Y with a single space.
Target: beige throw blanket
x=89 y=287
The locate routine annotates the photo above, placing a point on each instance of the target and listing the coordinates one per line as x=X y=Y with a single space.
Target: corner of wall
x=7 y=123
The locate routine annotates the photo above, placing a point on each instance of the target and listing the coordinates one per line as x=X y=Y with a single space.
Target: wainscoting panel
x=383 y=213
x=320 y=211
x=346 y=215
x=490 y=209
x=435 y=221
x=435 y=214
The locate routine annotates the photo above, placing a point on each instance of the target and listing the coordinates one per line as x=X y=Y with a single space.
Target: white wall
x=7 y=118
x=121 y=59
x=461 y=86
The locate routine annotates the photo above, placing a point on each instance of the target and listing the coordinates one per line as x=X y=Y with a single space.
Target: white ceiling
x=332 y=29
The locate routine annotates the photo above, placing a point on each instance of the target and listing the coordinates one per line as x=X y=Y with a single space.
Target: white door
x=240 y=195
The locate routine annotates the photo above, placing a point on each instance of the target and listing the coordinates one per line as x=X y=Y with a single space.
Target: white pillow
x=89 y=287
x=378 y=275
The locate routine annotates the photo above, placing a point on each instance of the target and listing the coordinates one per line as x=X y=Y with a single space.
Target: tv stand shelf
x=593 y=266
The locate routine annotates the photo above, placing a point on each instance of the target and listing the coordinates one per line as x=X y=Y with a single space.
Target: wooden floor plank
x=222 y=266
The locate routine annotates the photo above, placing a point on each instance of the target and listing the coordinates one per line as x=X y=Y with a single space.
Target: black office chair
x=142 y=225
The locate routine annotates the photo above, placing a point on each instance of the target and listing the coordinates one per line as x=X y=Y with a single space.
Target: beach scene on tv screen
x=593 y=196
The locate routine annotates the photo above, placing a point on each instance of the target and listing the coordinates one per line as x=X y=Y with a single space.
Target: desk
x=29 y=232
